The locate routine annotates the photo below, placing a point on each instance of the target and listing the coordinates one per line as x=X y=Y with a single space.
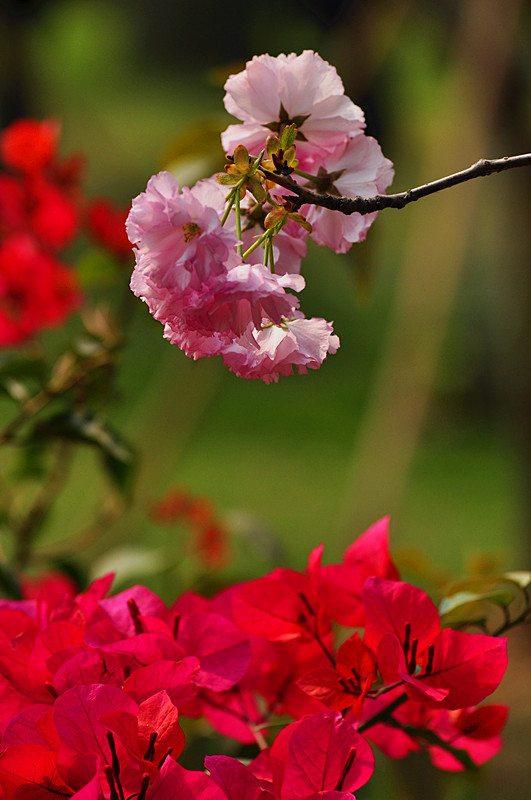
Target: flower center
x=191 y=230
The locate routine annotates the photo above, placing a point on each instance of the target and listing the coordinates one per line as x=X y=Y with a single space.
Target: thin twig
x=367 y=205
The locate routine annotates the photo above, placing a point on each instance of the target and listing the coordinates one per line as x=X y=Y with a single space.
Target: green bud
x=289 y=134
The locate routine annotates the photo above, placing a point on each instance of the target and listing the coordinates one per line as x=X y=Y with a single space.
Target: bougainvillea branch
x=367 y=205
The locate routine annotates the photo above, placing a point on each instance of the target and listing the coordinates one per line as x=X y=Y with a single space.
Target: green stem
x=271 y=256
x=239 y=248
x=230 y=202
x=306 y=175
x=258 y=242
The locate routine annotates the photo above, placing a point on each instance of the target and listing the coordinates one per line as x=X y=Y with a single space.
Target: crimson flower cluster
x=42 y=211
x=94 y=687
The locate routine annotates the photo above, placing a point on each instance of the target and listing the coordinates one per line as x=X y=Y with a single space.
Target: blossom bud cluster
x=225 y=282
x=94 y=688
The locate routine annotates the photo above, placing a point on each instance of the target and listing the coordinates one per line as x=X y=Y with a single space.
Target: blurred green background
x=425 y=411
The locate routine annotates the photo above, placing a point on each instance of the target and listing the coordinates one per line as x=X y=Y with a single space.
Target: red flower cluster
x=93 y=687
x=210 y=536
x=39 y=217
x=42 y=210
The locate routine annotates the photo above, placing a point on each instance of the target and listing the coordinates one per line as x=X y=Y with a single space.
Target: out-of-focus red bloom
x=211 y=538
x=29 y=145
x=212 y=545
x=53 y=216
x=39 y=216
x=106 y=224
x=173 y=505
x=36 y=290
x=49 y=586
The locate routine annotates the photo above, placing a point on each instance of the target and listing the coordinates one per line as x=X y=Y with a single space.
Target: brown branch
x=367 y=205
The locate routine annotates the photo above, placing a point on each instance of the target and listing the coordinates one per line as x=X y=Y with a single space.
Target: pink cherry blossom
x=179 y=242
x=303 y=89
x=362 y=171
x=247 y=294
x=289 y=245
x=276 y=349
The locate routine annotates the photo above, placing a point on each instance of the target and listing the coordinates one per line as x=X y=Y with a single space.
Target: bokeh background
x=425 y=412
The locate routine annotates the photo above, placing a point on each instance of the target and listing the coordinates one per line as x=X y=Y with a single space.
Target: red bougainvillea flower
x=29 y=145
x=38 y=217
x=311 y=758
x=285 y=604
x=413 y=726
x=347 y=684
x=445 y=669
x=474 y=730
x=366 y=557
x=36 y=290
x=106 y=225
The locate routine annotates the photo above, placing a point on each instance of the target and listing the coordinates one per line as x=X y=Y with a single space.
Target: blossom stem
x=260 y=739
x=261 y=239
x=239 y=248
x=230 y=202
x=304 y=174
x=367 y=205
x=384 y=715
x=271 y=256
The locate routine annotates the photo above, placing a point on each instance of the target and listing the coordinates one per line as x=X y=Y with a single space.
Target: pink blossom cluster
x=94 y=688
x=193 y=268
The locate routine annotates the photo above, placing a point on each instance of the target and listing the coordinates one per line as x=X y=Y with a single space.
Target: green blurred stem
x=27 y=528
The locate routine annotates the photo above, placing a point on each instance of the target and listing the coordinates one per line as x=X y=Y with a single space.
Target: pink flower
x=289 y=244
x=303 y=89
x=361 y=170
x=180 y=242
x=246 y=295
x=276 y=349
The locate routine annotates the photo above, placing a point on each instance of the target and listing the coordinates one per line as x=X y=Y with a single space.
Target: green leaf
x=31 y=463
x=495 y=603
x=21 y=374
x=256 y=188
x=227 y=180
x=82 y=426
